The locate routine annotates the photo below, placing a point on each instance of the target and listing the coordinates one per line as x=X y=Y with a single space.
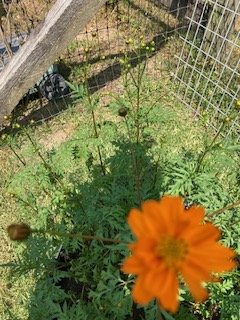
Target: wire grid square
x=207 y=74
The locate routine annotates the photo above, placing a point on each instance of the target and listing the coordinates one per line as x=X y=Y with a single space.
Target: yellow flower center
x=171 y=250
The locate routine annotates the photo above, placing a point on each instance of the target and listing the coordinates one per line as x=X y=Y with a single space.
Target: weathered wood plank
x=61 y=25
x=222 y=21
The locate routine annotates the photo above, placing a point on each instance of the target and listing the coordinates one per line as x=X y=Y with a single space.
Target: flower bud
x=227 y=119
x=122 y=112
x=18 y=232
x=3 y=136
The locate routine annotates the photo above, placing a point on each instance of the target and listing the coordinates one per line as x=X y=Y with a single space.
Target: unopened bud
x=18 y=232
x=122 y=112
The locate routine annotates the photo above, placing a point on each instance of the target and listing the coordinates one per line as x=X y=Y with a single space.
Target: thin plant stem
x=18 y=157
x=235 y=222
x=46 y=165
x=85 y=72
x=230 y=206
x=80 y=236
x=26 y=203
x=208 y=148
x=126 y=87
x=138 y=84
x=137 y=176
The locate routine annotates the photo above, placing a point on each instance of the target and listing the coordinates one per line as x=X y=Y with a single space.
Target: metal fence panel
x=208 y=72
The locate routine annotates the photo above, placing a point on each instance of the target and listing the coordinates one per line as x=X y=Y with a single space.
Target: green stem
x=85 y=72
x=15 y=153
x=26 y=203
x=46 y=165
x=230 y=206
x=48 y=168
x=80 y=236
x=137 y=175
x=208 y=148
x=138 y=84
x=235 y=222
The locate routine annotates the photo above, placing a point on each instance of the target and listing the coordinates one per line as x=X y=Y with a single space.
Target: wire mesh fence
x=208 y=65
x=196 y=43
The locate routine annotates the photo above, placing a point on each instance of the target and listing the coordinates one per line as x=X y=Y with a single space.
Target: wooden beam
x=61 y=25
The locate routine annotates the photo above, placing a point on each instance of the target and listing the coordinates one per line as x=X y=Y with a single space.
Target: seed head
x=122 y=112
x=18 y=232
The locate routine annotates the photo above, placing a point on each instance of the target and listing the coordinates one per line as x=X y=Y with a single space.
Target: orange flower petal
x=136 y=223
x=162 y=216
x=154 y=279
x=153 y=220
x=201 y=234
x=219 y=258
x=140 y=293
x=196 y=214
x=132 y=265
x=145 y=249
x=168 y=295
x=194 y=275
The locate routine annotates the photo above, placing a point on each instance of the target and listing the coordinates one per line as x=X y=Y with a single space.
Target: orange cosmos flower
x=173 y=240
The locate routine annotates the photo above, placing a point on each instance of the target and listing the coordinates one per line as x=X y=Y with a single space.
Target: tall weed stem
x=208 y=148
x=80 y=236
x=230 y=206
x=17 y=156
x=137 y=175
x=26 y=203
x=85 y=73
x=46 y=165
